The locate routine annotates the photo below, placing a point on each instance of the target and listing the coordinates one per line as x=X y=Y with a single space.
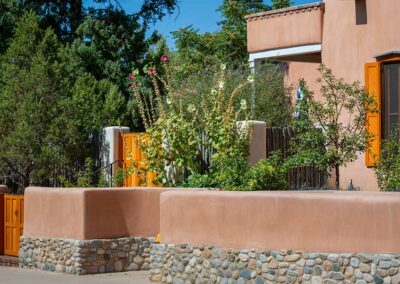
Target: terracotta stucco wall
x=348 y=45
x=301 y=28
x=353 y=34
x=302 y=70
x=91 y=213
x=309 y=221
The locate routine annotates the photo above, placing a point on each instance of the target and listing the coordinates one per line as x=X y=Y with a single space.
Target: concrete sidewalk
x=9 y=275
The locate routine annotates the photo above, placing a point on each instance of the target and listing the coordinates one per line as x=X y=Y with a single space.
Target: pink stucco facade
x=353 y=33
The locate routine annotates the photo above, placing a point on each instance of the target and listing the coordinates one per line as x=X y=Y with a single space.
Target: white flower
x=191 y=108
x=168 y=101
x=243 y=104
x=250 y=78
x=223 y=66
x=221 y=84
x=213 y=92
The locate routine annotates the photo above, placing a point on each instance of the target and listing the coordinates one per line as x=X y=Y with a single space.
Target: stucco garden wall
x=216 y=236
x=78 y=213
x=326 y=221
x=278 y=237
x=86 y=231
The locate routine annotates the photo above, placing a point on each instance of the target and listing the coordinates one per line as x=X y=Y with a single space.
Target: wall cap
x=285 y=11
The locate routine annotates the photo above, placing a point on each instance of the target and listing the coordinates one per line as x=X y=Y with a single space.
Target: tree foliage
x=387 y=170
x=50 y=109
x=330 y=132
x=195 y=51
x=279 y=4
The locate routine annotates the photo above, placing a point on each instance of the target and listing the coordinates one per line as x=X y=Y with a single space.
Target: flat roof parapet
x=285 y=11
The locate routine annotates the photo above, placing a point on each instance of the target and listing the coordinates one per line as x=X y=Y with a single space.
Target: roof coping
x=285 y=11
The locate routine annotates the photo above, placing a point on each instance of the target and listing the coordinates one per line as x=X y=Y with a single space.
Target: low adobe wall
x=327 y=221
x=78 y=213
x=87 y=231
x=278 y=237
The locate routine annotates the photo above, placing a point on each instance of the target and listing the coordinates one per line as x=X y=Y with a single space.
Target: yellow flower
x=243 y=104
x=191 y=108
x=250 y=78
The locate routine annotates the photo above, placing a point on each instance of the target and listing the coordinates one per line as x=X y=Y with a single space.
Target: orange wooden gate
x=13 y=222
x=135 y=162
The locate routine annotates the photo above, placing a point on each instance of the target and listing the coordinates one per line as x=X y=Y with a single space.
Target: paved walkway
x=10 y=275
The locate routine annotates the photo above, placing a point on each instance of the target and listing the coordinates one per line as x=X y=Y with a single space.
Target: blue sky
x=201 y=14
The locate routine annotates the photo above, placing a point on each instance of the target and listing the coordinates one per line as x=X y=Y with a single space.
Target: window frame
x=384 y=118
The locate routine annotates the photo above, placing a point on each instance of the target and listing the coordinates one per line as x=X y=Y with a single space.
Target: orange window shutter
x=373 y=123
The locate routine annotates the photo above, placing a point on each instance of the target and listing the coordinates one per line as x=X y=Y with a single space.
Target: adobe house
x=357 y=39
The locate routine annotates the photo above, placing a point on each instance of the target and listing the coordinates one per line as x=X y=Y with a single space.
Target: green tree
x=387 y=170
x=330 y=133
x=9 y=13
x=279 y=4
x=65 y=16
x=103 y=39
x=32 y=84
x=196 y=51
x=51 y=109
x=109 y=44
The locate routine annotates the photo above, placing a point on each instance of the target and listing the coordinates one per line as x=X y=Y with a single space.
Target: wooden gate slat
x=279 y=139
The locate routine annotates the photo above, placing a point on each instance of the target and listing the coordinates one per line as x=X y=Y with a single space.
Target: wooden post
x=1 y=223
x=3 y=189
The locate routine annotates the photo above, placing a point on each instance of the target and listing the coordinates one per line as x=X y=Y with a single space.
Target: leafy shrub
x=268 y=174
x=272 y=102
x=203 y=111
x=388 y=168
x=177 y=126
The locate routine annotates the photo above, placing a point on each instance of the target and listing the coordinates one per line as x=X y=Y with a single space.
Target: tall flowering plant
x=176 y=129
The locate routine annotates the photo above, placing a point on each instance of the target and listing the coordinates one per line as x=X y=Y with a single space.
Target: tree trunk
x=337 y=176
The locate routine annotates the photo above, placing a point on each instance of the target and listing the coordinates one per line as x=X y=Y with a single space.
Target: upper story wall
x=355 y=32
x=294 y=26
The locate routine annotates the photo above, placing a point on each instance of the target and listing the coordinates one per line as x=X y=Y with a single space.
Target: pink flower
x=131 y=76
x=152 y=72
x=164 y=58
x=133 y=86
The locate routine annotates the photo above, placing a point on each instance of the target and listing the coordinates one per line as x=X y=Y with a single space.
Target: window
x=382 y=81
x=391 y=91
